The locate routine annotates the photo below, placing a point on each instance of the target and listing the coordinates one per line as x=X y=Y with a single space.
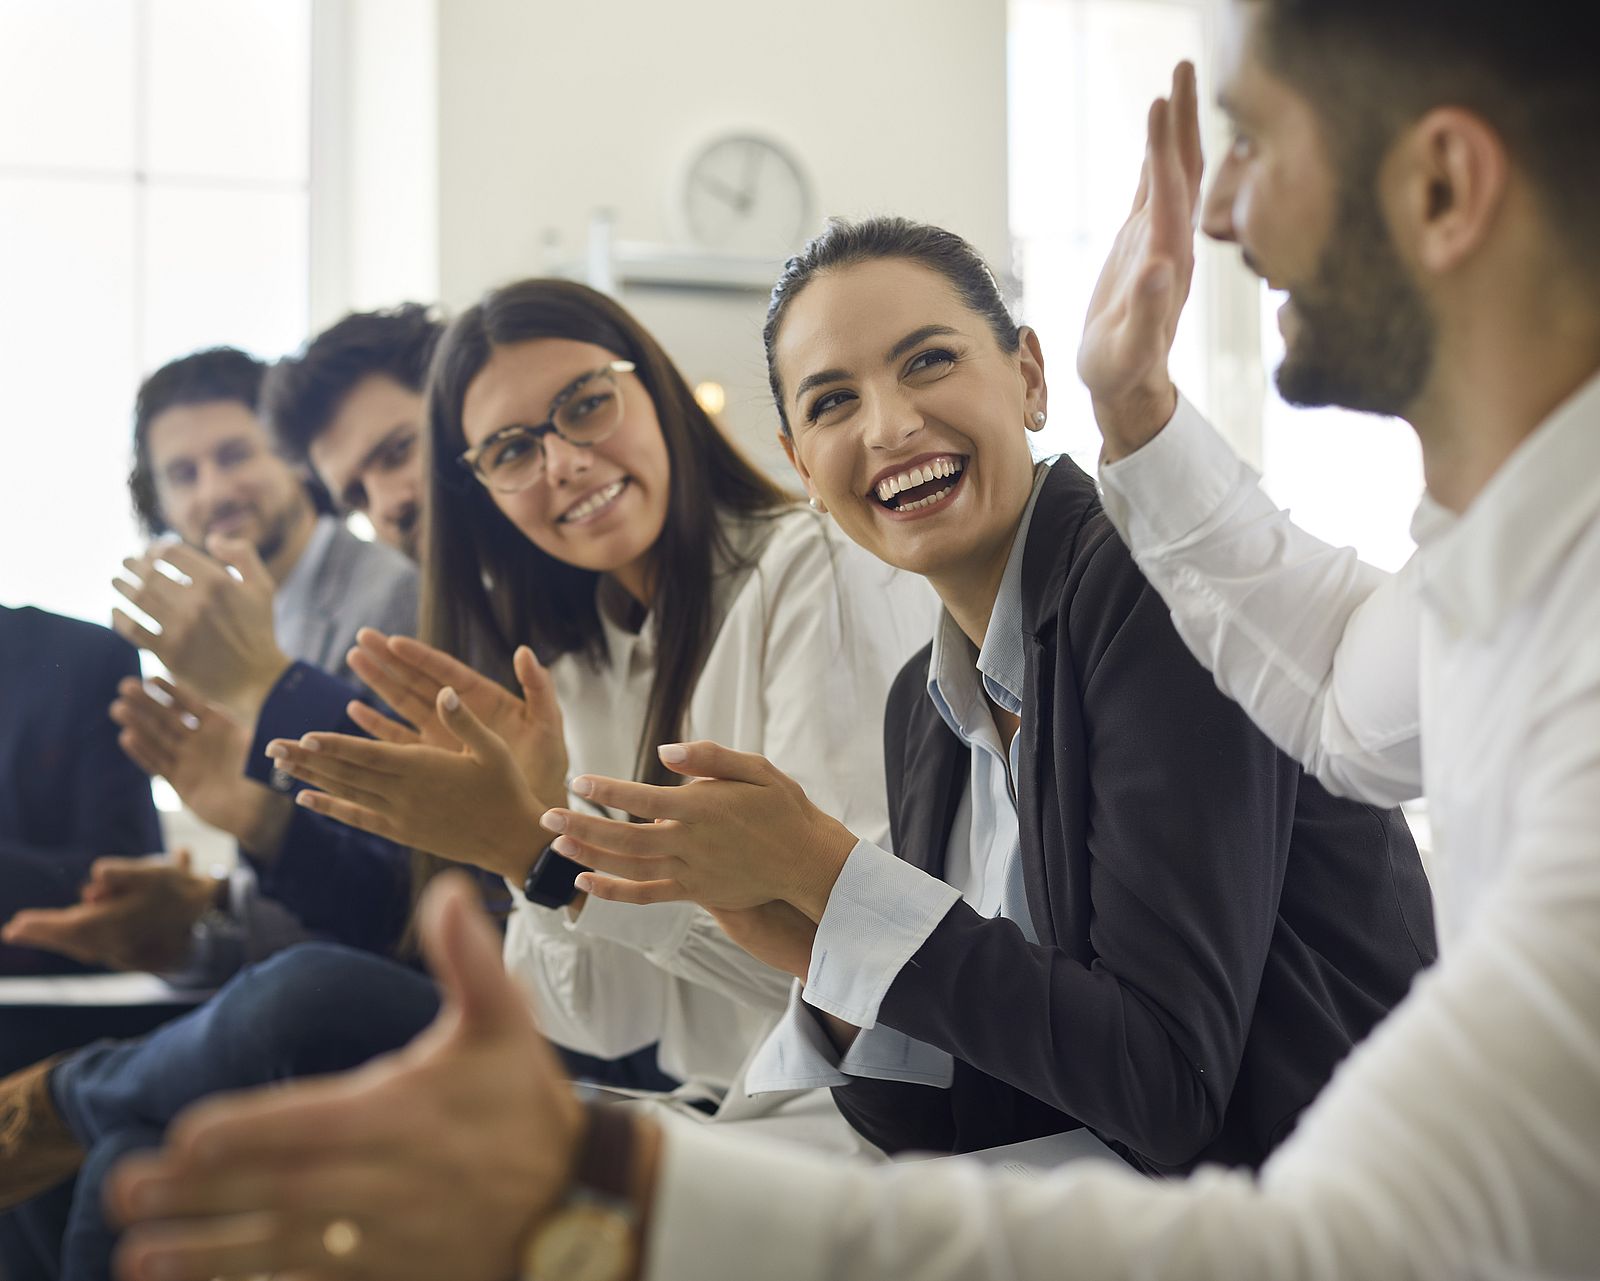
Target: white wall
x=547 y=111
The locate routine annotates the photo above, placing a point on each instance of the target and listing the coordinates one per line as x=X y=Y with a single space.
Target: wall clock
x=746 y=194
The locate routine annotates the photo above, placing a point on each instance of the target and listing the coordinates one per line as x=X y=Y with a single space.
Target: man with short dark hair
x=247 y=648
x=1423 y=178
x=350 y=403
x=206 y=468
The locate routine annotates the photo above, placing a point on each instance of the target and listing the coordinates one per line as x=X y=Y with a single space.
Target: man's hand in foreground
x=436 y=1161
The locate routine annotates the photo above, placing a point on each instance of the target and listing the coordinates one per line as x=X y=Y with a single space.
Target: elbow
x=1178 y=1133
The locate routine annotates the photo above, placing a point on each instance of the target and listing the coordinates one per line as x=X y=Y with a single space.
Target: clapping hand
x=216 y=628
x=200 y=749
x=470 y=802
x=740 y=835
x=409 y=676
x=134 y=914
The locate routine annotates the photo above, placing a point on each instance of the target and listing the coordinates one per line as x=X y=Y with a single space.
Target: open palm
x=408 y=675
x=1134 y=311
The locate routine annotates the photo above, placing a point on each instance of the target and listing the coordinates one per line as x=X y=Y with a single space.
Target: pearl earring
x=1038 y=418
x=816 y=506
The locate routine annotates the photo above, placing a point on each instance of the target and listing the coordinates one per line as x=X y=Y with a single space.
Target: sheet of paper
x=1032 y=1156
x=96 y=989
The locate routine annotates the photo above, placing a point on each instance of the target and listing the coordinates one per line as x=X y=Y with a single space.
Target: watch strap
x=605 y=1161
x=550 y=881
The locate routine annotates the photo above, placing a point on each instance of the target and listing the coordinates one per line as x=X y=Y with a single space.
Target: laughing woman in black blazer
x=1114 y=904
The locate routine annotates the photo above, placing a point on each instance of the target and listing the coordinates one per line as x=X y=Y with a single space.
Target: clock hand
x=723 y=192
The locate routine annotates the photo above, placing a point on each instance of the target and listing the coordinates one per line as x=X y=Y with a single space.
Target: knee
x=324 y=997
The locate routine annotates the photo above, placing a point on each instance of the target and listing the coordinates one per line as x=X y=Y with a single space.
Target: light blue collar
x=958 y=680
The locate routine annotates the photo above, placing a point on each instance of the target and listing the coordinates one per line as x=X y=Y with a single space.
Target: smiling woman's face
x=600 y=507
x=907 y=416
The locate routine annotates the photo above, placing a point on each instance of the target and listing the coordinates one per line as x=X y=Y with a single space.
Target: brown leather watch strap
x=605 y=1162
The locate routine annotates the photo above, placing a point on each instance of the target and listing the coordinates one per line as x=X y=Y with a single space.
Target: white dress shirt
x=1462 y=1139
x=812 y=632
x=881 y=909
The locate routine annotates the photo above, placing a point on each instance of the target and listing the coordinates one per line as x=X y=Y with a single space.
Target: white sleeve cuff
x=656 y=928
x=797 y=1054
x=880 y=912
x=800 y=1055
x=1166 y=492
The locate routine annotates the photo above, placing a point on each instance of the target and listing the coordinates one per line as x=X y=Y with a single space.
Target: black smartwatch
x=550 y=880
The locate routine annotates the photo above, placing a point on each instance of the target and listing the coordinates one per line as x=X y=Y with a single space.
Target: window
x=155 y=198
x=1082 y=74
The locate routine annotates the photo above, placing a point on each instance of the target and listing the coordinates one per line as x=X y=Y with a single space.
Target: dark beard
x=1366 y=338
x=277 y=529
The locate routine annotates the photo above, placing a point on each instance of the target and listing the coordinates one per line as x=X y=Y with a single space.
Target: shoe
x=37 y=1151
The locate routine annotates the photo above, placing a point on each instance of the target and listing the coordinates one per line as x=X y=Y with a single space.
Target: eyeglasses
x=586 y=413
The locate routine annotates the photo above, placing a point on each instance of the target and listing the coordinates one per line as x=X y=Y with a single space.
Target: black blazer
x=1215 y=930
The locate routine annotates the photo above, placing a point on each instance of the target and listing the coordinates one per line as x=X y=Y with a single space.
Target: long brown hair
x=486 y=589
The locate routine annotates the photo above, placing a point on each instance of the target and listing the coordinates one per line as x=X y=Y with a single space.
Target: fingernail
x=451 y=702
x=564 y=846
x=277 y=751
x=583 y=881
x=673 y=753
x=583 y=785
x=553 y=822
x=310 y=744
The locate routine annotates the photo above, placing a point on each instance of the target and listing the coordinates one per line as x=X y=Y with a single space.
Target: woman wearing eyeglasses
x=584 y=508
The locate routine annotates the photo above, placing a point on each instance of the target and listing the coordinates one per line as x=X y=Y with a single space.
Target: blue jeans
x=314 y=1009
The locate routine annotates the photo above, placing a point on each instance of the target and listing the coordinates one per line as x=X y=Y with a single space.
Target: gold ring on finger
x=341 y=1238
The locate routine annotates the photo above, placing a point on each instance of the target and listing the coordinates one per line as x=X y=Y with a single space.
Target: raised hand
x=469 y=803
x=742 y=834
x=200 y=749
x=1133 y=314
x=436 y=1161
x=134 y=914
x=216 y=630
x=408 y=676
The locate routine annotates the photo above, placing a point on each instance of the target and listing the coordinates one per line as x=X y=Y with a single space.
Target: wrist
x=202 y=893
x=595 y=1228
x=1132 y=419
x=526 y=846
x=817 y=875
x=253 y=692
x=263 y=820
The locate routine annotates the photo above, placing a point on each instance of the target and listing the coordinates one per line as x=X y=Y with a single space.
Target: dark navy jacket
x=1215 y=930
x=68 y=795
x=341 y=882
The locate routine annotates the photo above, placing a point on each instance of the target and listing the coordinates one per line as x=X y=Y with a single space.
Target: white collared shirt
x=881 y=909
x=810 y=637
x=1462 y=1139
